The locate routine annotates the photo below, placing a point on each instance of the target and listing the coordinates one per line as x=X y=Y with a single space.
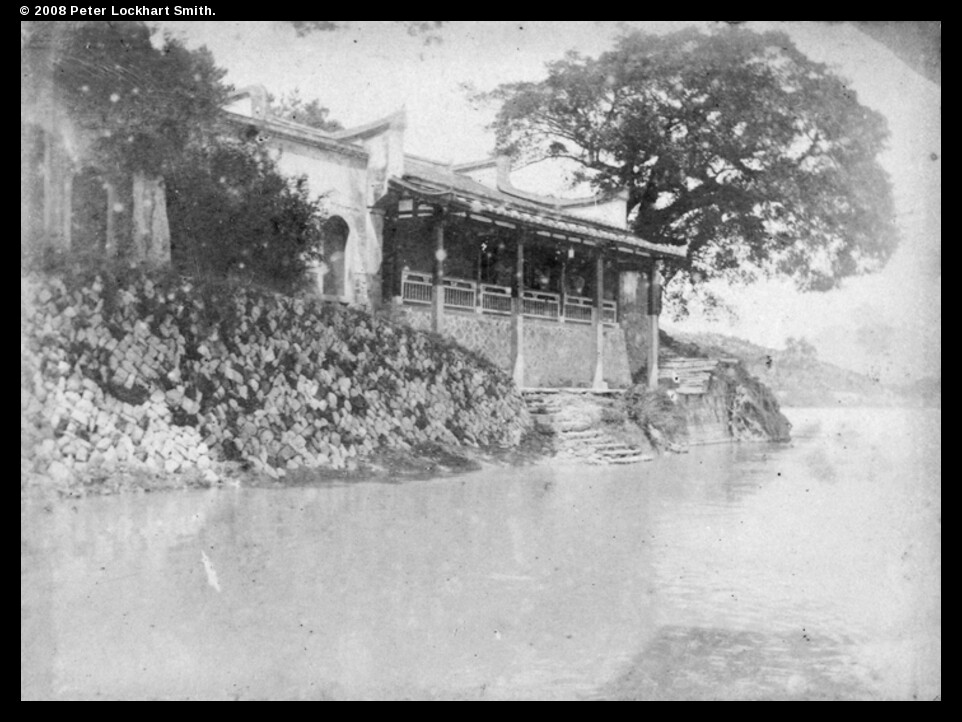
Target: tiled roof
x=433 y=182
x=286 y=129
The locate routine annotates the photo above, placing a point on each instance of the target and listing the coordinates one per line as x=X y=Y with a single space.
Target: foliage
x=754 y=412
x=654 y=409
x=306 y=27
x=293 y=107
x=144 y=105
x=760 y=160
x=799 y=352
x=233 y=214
x=428 y=29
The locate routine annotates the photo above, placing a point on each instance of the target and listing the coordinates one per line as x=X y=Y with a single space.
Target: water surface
x=808 y=571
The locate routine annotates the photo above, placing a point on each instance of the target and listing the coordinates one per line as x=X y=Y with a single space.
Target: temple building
x=558 y=292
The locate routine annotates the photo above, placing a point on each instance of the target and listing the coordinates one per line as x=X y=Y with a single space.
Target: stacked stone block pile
x=168 y=375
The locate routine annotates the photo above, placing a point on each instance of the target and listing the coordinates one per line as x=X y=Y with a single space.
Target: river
x=803 y=571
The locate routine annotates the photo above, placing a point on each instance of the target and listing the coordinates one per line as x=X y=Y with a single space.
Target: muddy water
x=754 y=572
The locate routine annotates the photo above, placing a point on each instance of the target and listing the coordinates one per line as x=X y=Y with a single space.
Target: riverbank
x=420 y=462
x=139 y=381
x=143 y=380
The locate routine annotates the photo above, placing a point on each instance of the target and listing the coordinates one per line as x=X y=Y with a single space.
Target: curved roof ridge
x=397 y=119
x=298 y=132
x=504 y=184
x=556 y=201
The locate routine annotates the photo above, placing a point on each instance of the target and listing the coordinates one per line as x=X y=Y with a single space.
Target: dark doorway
x=334 y=245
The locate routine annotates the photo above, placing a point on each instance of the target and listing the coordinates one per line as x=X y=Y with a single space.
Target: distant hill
x=796 y=375
x=924 y=392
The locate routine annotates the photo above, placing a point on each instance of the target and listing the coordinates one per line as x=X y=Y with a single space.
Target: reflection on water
x=760 y=572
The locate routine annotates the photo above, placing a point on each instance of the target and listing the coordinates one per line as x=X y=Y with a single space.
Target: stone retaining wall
x=555 y=354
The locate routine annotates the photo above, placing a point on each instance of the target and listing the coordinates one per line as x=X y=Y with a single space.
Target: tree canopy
x=762 y=161
x=142 y=104
x=232 y=213
x=306 y=112
x=427 y=29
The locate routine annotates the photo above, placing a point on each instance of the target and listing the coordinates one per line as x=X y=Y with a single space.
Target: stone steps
x=577 y=438
x=579 y=433
x=689 y=376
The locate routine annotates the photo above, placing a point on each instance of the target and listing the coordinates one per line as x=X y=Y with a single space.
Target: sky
x=887 y=325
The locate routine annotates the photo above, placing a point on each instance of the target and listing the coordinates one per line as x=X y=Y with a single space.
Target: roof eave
x=554 y=224
x=302 y=134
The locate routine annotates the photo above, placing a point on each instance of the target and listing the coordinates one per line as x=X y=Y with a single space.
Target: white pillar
x=598 y=383
x=439 y=256
x=654 y=308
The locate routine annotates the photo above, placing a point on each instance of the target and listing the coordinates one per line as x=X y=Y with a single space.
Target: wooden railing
x=609 y=312
x=459 y=293
x=418 y=288
x=540 y=304
x=579 y=309
x=495 y=299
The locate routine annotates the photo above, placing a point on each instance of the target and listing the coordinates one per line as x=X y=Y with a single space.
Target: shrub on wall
x=232 y=214
x=656 y=413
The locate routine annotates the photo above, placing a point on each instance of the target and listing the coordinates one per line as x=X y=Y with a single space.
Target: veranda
x=542 y=294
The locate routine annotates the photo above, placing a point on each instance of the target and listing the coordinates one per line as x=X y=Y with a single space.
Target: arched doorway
x=334 y=235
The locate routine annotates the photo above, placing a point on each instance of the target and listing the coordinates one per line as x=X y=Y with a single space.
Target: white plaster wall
x=612 y=212
x=342 y=181
x=487 y=176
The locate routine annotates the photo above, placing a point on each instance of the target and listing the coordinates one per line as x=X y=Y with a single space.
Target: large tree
x=762 y=161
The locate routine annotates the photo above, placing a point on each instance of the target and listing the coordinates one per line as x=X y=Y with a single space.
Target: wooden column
x=598 y=383
x=653 y=310
x=518 y=373
x=564 y=287
x=643 y=291
x=477 y=278
x=439 y=256
x=391 y=284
